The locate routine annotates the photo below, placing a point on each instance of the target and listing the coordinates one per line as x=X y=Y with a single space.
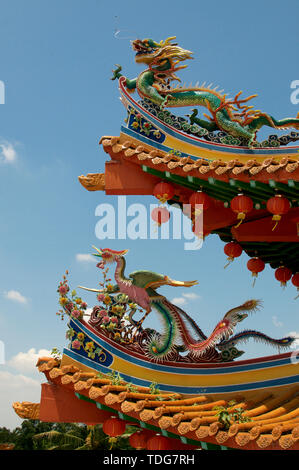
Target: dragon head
x=145 y=50
x=108 y=255
x=151 y=52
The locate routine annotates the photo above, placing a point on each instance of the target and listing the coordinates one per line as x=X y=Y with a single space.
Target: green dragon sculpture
x=141 y=287
x=233 y=116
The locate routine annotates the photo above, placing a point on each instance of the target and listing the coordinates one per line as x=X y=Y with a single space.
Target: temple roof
x=265 y=171
x=215 y=168
x=271 y=417
x=135 y=168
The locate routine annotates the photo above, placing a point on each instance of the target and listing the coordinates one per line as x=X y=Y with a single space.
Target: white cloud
x=179 y=301
x=16 y=381
x=185 y=296
x=276 y=322
x=16 y=296
x=26 y=361
x=16 y=388
x=85 y=258
x=191 y=295
x=8 y=153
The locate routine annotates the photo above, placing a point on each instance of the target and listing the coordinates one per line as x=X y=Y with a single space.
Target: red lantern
x=295 y=282
x=278 y=205
x=139 y=439
x=114 y=427
x=200 y=198
x=163 y=191
x=255 y=265
x=159 y=442
x=232 y=250
x=161 y=215
x=241 y=205
x=283 y=275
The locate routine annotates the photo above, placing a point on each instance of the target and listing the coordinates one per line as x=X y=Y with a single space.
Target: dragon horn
x=167 y=41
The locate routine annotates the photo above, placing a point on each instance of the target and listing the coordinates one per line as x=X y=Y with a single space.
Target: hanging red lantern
x=295 y=282
x=139 y=439
x=278 y=205
x=160 y=215
x=159 y=442
x=241 y=205
x=200 y=198
x=232 y=250
x=255 y=265
x=163 y=191
x=114 y=427
x=283 y=275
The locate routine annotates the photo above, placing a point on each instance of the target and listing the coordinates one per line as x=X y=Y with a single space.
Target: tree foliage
x=36 y=435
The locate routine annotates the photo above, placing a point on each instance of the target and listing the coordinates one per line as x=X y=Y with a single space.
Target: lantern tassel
x=276 y=219
x=238 y=225
x=254 y=279
x=241 y=216
x=112 y=441
x=230 y=260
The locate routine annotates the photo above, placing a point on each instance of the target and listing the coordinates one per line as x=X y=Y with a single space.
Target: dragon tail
x=266 y=120
x=245 y=335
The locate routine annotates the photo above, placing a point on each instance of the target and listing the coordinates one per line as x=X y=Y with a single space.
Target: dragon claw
x=116 y=72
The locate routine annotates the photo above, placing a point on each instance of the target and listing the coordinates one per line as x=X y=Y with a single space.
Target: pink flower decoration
x=69 y=306
x=63 y=289
x=76 y=344
x=76 y=313
x=106 y=319
x=101 y=297
x=114 y=320
x=101 y=265
x=102 y=313
x=84 y=305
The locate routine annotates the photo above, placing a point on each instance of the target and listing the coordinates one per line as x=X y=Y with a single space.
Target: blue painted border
x=226 y=369
x=188 y=390
x=146 y=140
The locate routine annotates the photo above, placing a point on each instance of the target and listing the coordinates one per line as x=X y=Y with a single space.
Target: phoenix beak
x=172 y=282
x=99 y=252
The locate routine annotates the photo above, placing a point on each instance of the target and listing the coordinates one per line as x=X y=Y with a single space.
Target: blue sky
x=56 y=60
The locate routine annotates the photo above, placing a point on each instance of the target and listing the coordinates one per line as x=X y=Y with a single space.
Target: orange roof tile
x=273 y=418
x=263 y=170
